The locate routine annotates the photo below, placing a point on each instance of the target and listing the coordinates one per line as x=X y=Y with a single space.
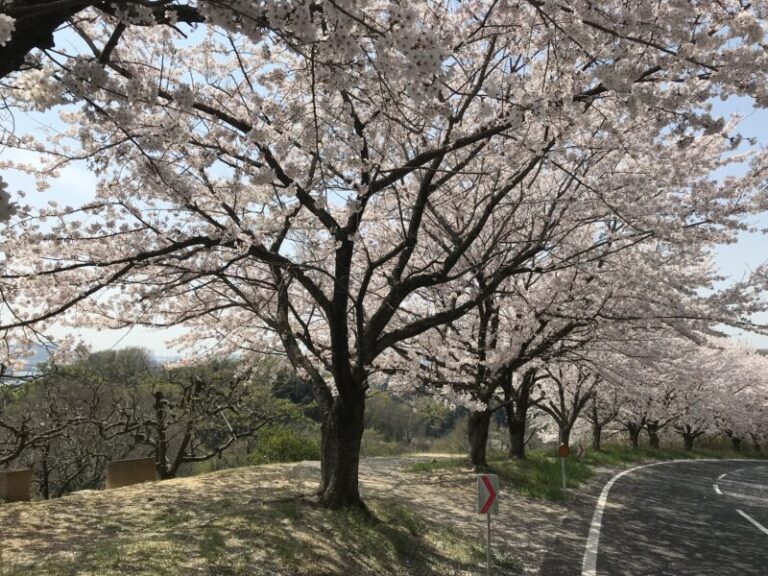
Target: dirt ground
x=36 y=532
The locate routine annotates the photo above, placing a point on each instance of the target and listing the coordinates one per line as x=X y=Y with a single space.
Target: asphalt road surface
x=687 y=518
x=692 y=518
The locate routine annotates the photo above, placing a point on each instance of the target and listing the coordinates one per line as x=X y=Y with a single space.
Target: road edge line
x=589 y=564
x=754 y=522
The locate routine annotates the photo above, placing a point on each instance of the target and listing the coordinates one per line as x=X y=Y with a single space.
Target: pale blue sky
x=76 y=185
x=736 y=261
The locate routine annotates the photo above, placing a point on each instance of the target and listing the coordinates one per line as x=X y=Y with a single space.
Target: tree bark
x=736 y=443
x=341 y=435
x=161 y=448
x=37 y=31
x=688 y=441
x=634 y=435
x=478 y=438
x=45 y=486
x=516 y=405
x=516 y=436
x=597 y=436
x=564 y=436
x=653 y=434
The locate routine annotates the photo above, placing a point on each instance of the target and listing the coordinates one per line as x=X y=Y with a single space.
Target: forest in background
x=66 y=422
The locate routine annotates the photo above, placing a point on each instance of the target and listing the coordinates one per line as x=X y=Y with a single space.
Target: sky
x=736 y=261
x=76 y=184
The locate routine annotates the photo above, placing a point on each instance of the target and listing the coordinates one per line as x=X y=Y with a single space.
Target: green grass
x=539 y=475
x=619 y=455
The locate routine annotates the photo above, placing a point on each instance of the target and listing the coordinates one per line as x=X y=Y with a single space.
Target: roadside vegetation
x=539 y=475
x=67 y=420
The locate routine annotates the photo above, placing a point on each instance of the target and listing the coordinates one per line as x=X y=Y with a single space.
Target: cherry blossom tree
x=695 y=383
x=580 y=314
x=646 y=371
x=696 y=389
x=28 y=25
x=566 y=391
x=311 y=181
x=492 y=350
x=739 y=408
x=517 y=400
x=604 y=408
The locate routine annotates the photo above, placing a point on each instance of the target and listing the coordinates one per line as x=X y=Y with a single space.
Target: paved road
x=670 y=520
x=678 y=519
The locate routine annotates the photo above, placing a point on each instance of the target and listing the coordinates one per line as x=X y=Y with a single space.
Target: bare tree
x=191 y=414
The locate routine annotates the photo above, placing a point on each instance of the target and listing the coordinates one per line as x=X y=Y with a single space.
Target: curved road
x=692 y=518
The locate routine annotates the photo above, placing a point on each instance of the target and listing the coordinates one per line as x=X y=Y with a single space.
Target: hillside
x=260 y=520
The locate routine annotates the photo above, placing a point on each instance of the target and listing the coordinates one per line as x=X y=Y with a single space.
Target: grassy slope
x=238 y=522
x=210 y=526
x=281 y=537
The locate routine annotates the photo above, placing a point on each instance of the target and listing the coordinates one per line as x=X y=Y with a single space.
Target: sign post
x=488 y=503
x=563 y=452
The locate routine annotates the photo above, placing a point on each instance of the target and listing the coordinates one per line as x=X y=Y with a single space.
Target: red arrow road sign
x=491 y=494
x=487 y=493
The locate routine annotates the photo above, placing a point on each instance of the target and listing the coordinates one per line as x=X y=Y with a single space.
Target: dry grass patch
x=252 y=521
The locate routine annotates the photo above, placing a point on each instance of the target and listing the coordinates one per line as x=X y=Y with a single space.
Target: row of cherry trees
x=625 y=359
x=450 y=195
x=687 y=389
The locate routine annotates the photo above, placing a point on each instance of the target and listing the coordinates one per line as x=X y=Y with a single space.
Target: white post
x=488 y=571
x=562 y=468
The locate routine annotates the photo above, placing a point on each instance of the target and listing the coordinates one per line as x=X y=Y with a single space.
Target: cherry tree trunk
x=516 y=429
x=736 y=443
x=516 y=410
x=45 y=481
x=597 y=436
x=688 y=440
x=341 y=435
x=634 y=435
x=161 y=443
x=653 y=434
x=564 y=436
x=478 y=438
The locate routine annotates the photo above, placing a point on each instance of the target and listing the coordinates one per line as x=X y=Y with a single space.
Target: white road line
x=717 y=489
x=722 y=476
x=589 y=564
x=754 y=522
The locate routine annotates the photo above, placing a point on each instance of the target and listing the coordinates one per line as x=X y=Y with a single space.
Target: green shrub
x=374 y=444
x=284 y=444
x=455 y=441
